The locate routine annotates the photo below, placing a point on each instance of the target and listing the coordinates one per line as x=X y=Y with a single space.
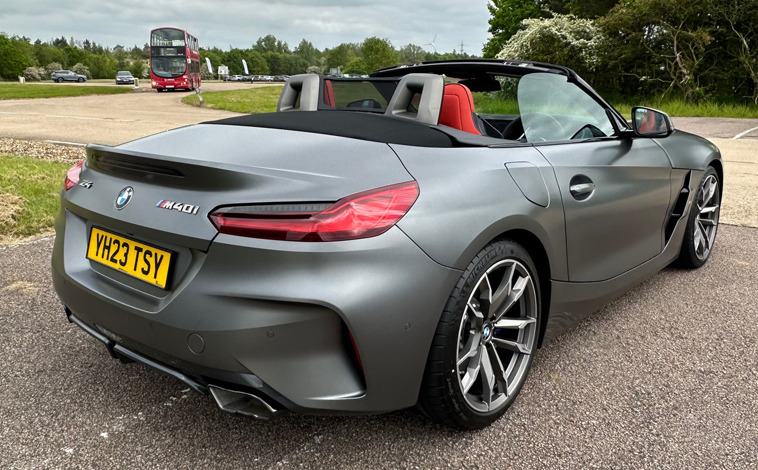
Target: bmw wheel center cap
x=124 y=197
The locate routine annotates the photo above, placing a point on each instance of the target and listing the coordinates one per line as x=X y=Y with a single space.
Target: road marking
x=743 y=134
x=60 y=142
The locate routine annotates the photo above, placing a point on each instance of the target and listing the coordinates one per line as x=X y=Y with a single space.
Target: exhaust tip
x=244 y=404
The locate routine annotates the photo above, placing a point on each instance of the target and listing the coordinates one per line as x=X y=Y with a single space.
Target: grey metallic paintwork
x=234 y=290
x=689 y=151
x=573 y=301
x=529 y=180
x=619 y=226
x=270 y=168
x=248 y=287
x=469 y=195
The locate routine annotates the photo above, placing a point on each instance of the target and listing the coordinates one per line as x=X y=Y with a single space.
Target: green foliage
x=378 y=53
x=340 y=56
x=411 y=54
x=82 y=69
x=562 y=39
x=505 y=21
x=16 y=54
x=356 y=66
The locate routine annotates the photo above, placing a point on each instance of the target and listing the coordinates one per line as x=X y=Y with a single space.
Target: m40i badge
x=178 y=206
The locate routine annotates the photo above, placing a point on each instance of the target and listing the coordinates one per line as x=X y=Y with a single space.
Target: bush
x=81 y=69
x=34 y=74
x=562 y=39
x=49 y=69
x=205 y=74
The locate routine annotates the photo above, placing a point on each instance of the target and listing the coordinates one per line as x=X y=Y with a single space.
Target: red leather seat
x=458 y=109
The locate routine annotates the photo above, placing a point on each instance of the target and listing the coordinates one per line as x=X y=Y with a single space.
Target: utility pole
x=462 y=46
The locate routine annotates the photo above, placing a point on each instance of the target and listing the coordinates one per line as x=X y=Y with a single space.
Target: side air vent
x=678 y=211
x=108 y=163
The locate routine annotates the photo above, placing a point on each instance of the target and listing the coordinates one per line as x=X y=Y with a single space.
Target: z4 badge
x=85 y=184
x=178 y=206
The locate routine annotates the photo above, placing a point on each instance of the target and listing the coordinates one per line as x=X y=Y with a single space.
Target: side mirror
x=648 y=122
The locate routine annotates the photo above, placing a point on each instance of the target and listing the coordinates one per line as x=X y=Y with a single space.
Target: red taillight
x=72 y=176
x=361 y=215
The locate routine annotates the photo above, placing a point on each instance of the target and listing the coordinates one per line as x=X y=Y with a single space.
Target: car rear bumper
x=260 y=314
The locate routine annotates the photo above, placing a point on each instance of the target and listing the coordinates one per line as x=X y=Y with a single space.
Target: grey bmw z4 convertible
x=379 y=243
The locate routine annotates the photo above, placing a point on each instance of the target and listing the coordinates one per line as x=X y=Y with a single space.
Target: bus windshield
x=169 y=67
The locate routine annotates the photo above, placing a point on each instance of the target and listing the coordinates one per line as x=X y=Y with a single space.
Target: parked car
x=236 y=78
x=124 y=78
x=67 y=76
x=388 y=246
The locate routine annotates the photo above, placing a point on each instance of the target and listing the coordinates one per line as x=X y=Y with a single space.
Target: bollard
x=136 y=83
x=199 y=96
x=21 y=79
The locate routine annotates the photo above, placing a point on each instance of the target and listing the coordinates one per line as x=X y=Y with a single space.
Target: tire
x=59 y=80
x=702 y=222
x=450 y=393
x=80 y=80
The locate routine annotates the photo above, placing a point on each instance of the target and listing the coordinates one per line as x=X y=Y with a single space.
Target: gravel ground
x=42 y=150
x=665 y=377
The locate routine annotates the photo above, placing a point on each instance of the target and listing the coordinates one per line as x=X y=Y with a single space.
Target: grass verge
x=15 y=91
x=29 y=191
x=251 y=100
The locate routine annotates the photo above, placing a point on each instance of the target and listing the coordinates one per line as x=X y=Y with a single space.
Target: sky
x=240 y=23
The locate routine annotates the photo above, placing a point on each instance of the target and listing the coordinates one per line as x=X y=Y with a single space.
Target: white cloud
x=241 y=22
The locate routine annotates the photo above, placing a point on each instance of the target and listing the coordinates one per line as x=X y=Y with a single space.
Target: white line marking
x=743 y=134
x=60 y=142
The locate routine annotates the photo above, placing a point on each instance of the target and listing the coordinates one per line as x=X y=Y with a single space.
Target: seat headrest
x=458 y=109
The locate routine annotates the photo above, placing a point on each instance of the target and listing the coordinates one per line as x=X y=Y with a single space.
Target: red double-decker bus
x=174 y=59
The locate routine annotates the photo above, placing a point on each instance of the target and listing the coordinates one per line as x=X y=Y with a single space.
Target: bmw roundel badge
x=124 y=197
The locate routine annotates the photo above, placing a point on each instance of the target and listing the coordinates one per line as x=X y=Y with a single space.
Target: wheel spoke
x=518 y=290
x=514 y=323
x=709 y=189
x=478 y=316
x=704 y=235
x=709 y=209
x=511 y=345
x=497 y=366
x=470 y=349
x=502 y=292
x=472 y=371
x=488 y=377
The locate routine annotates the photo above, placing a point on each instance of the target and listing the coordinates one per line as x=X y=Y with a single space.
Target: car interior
x=536 y=106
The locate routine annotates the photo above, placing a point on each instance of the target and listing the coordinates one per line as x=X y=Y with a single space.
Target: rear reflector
x=361 y=215
x=72 y=176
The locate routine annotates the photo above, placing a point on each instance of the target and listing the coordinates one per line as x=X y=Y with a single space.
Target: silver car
x=379 y=243
x=67 y=76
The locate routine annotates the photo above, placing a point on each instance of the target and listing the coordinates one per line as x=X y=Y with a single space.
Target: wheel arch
x=719 y=167
x=537 y=251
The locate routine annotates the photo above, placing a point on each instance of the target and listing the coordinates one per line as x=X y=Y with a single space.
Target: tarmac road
x=105 y=119
x=664 y=377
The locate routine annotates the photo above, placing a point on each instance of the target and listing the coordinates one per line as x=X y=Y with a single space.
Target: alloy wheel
x=707 y=220
x=497 y=336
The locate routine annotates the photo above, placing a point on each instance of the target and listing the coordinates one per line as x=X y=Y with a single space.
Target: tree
x=356 y=66
x=82 y=69
x=742 y=37
x=505 y=21
x=205 y=74
x=269 y=43
x=340 y=56
x=308 y=52
x=672 y=35
x=257 y=64
x=378 y=53
x=16 y=54
x=562 y=40
x=411 y=54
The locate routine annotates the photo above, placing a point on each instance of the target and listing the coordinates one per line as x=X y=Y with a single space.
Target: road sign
x=223 y=70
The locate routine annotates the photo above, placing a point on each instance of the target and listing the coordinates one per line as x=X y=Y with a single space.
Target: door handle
x=584 y=188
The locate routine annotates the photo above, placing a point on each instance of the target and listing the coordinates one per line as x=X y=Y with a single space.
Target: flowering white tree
x=561 y=40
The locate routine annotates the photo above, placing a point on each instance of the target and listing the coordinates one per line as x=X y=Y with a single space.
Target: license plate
x=133 y=258
x=169 y=86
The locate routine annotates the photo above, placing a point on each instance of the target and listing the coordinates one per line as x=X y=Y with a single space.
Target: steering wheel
x=542 y=127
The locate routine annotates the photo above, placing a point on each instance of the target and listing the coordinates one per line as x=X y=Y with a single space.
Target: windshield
x=122 y=74
x=553 y=110
x=360 y=95
x=167 y=37
x=169 y=67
